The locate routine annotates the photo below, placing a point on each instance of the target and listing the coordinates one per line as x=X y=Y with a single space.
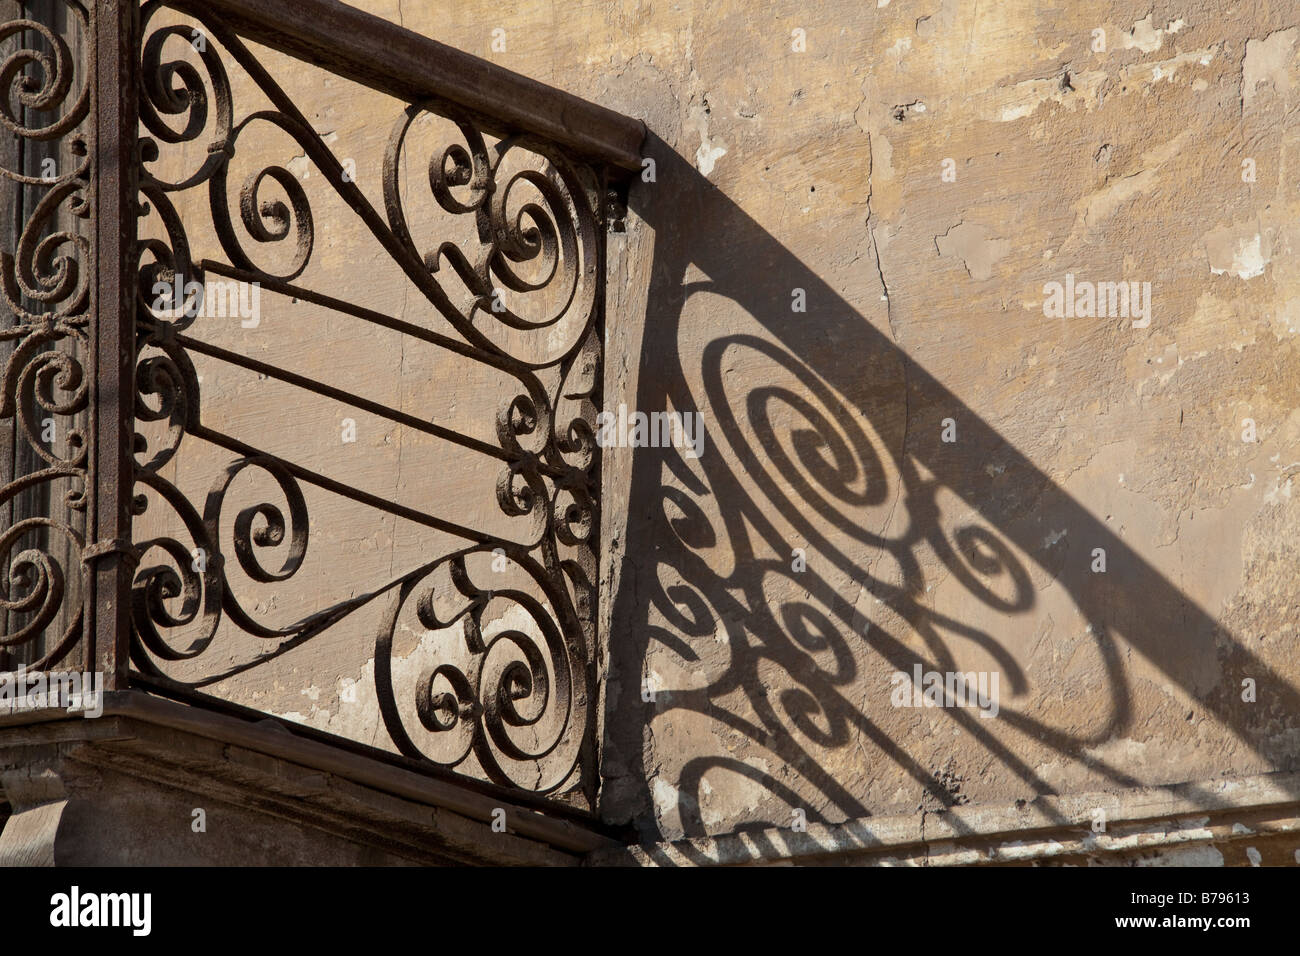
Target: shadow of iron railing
x=674 y=595
x=838 y=468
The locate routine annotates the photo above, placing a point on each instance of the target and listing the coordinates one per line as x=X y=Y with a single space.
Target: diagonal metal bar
x=340 y=488
x=343 y=396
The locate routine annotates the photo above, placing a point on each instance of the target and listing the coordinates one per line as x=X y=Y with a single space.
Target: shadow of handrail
x=699 y=231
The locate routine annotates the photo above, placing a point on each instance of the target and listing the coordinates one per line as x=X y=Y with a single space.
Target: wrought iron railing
x=161 y=151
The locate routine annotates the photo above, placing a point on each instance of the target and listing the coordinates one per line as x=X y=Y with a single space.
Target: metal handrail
x=414 y=68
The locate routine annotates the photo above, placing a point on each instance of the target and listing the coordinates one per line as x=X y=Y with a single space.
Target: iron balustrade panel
x=48 y=178
x=496 y=678
x=206 y=317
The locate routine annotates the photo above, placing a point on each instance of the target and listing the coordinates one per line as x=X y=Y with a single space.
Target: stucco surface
x=914 y=175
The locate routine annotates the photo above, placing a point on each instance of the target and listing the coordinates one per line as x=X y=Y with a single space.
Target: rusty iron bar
x=415 y=69
x=115 y=77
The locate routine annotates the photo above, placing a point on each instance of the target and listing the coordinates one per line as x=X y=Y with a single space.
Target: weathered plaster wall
x=925 y=303
x=817 y=177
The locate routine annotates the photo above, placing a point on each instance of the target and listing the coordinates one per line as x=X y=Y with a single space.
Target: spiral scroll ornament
x=45 y=386
x=513 y=703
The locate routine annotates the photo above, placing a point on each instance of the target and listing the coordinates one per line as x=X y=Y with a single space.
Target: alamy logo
x=951 y=689
x=22 y=690
x=217 y=299
x=1089 y=300
x=656 y=430
x=73 y=909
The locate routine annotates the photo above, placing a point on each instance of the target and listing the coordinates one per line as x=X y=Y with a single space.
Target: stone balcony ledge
x=125 y=788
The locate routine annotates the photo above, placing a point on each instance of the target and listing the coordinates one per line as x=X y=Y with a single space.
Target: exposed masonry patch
x=710 y=150
x=708 y=154
x=1068 y=87
x=1279 y=492
x=1145 y=36
x=1167 y=70
x=666 y=798
x=1267 y=61
x=972 y=244
x=1237 y=250
x=1072 y=88
x=737 y=796
x=300 y=165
